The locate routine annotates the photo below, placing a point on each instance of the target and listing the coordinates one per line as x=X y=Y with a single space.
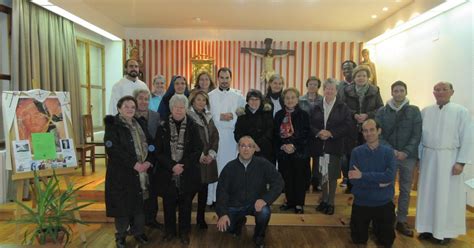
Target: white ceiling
x=341 y=15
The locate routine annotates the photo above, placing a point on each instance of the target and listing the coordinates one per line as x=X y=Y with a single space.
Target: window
x=91 y=56
x=5 y=57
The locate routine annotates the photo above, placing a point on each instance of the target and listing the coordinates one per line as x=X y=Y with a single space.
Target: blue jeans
x=261 y=218
x=405 y=178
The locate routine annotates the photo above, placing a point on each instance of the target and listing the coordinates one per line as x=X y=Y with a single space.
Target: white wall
x=113 y=58
x=440 y=49
x=235 y=34
x=437 y=50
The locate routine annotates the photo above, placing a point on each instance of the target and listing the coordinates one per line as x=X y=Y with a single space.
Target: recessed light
x=400 y=22
x=374 y=16
x=397 y=1
x=384 y=9
x=197 y=19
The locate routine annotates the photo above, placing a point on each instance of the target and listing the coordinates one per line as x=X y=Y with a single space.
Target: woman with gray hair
x=151 y=121
x=179 y=148
x=330 y=122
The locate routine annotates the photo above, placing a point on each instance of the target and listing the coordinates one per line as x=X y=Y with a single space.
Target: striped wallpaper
x=313 y=58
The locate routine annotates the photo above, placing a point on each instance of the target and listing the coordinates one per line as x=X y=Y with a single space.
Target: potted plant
x=54 y=212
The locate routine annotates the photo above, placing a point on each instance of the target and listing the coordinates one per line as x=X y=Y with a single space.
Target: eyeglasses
x=246 y=146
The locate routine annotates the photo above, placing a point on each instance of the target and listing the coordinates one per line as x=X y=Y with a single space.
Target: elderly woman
x=330 y=123
x=291 y=137
x=126 y=180
x=199 y=112
x=152 y=121
x=204 y=82
x=255 y=120
x=178 y=151
x=273 y=96
x=178 y=86
x=157 y=92
x=363 y=100
x=307 y=103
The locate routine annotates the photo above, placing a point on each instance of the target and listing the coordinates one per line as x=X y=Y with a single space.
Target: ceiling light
x=374 y=16
x=60 y=11
x=197 y=19
x=384 y=9
x=400 y=22
x=417 y=20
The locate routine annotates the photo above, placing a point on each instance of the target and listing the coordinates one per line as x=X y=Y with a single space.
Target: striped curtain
x=314 y=58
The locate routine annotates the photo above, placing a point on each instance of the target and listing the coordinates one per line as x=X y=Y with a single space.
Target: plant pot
x=48 y=239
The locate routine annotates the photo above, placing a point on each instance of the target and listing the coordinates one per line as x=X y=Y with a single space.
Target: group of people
x=239 y=154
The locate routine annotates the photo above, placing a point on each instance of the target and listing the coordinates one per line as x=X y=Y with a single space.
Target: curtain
x=44 y=51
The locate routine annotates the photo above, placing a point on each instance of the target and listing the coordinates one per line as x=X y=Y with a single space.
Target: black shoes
x=285 y=207
x=142 y=239
x=259 y=242
x=404 y=229
x=429 y=236
x=120 y=242
x=425 y=236
x=154 y=224
x=168 y=237
x=322 y=207
x=184 y=238
x=299 y=210
x=329 y=210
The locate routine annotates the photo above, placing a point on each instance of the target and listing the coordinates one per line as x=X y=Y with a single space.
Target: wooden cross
x=268 y=45
x=268 y=54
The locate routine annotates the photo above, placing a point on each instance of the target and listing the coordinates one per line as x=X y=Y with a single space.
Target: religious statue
x=367 y=62
x=268 y=56
x=134 y=54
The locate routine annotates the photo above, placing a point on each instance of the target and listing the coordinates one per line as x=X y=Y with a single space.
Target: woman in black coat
x=256 y=121
x=363 y=100
x=126 y=179
x=291 y=137
x=331 y=121
x=178 y=175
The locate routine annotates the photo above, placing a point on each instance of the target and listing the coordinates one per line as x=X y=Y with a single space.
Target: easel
x=20 y=178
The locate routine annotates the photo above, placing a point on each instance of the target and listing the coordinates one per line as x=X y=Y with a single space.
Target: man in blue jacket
x=372 y=173
x=401 y=129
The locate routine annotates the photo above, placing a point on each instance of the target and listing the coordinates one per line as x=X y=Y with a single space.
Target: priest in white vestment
x=224 y=101
x=445 y=148
x=126 y=86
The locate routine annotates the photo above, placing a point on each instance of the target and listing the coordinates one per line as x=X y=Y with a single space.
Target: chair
x=82 y=149
x=88 y=136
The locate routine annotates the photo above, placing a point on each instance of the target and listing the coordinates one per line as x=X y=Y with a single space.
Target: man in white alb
x=126 y=85
x=446 y=144
x=224 y=102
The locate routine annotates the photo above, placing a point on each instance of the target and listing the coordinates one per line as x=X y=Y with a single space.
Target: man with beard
x=126 y=85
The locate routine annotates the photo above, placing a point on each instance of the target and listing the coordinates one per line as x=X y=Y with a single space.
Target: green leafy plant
x=54 y=213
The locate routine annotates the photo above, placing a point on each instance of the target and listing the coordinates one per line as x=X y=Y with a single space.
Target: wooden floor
x=102 y=236
x=287 y=229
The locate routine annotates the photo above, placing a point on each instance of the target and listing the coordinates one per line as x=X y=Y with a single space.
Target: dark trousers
x=315 y=175
x=345 y=164
x=296 y=173
x=184 y=204
x=261 y=218
x=136 y=223
x=383 y=221
x=150 y=206
x=202 y=199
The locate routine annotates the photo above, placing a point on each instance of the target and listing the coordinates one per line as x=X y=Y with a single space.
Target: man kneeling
x=372 y=175
x=242 y=190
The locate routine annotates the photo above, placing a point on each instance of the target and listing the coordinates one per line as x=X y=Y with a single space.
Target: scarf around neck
x=139 y=138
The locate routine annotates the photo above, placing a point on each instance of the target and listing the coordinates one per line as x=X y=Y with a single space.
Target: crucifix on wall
x=268 y=55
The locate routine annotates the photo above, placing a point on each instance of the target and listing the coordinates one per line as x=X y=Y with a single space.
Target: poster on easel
x=38 y=133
